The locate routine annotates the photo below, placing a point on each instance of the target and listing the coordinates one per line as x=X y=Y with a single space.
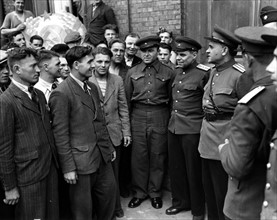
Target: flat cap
x=185 y=43
x=147 y=42
x=252 y=41
x=72 y=37
x=268 y=14
x=225 y=37
x=3 y=56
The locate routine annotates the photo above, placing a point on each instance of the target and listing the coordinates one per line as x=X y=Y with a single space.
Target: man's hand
x=12 y=196
x=222 y=145
x=127 y=141
x=113 y=156
x=71 y=177
x=21 y=27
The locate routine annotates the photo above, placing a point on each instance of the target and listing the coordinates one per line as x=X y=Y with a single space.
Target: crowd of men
x=92 y=120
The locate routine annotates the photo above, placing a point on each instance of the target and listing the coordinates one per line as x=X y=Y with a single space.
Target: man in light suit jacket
x=97 y=15
x=27 y=152
x=114 y=103
x=82 y=140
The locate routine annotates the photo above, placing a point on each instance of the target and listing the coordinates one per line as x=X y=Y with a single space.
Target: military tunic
x=245 y=157
x=148 y=92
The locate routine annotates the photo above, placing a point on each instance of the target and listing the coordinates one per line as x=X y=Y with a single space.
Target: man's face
x=131 y=48
x=4 y=73
x=27 y=70
x=54 y=67
x=185 y=58
x=118 y=50
x=272 y=67
x=164 y=55
x=64 y=71
x=101 y=64
x=109 y=35
x=19 y=5
x=214 y=53
x=19 y=40
x=85 y=66
x=165 y=38
x=149 y=55
x=36 y=44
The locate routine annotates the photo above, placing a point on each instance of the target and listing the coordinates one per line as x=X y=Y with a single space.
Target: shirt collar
x=226 y=65
x=80 y=83
x=22 y=87
x=44 y=84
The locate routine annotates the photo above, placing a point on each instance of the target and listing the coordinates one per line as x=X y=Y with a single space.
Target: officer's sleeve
x=246 y=132
x=128 y=89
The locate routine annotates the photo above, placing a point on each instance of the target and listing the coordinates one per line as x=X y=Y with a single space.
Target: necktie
x=34 y=96
x=86 y=88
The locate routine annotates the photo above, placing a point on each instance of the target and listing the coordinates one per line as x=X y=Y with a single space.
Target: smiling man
x=82 y=140
x=148 y=91
x=27 y=152
x=131 y=50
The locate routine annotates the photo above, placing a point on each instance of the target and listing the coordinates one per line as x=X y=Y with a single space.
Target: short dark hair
x=36 y=37
x=116 y=40
x=104 y=51
x=163 y=30
x=76 y=53
x=132 y=35
x=60 y=49
x=20 y=53
x=46 y=55
x=166 y=46
x=111 y=27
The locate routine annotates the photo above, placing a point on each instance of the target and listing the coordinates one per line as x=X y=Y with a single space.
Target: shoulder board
x=239 y=67
x=245 y=99
x=203 y=67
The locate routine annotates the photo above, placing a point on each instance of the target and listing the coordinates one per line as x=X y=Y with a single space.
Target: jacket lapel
x=110 y=88
x=94 y=81
x=24 y=99
x=85 y=99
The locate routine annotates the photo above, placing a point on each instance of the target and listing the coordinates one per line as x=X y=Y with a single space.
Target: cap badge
x=265 y=17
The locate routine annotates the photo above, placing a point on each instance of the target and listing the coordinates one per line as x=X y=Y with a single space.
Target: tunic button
x=184 y=73
x=180 y=81
x=176 y=101
x=231 y=178
x=265 y=204
x=148 y=91
x=148 y=100
x=149 y=74
x=162 y=79
x=271 y=145
x=178 y=91
x=176 y=110
x=267 y=186
x=216 y=74
x=268 y=166
x=213 y=83
x=207 y=101
x=149 y=83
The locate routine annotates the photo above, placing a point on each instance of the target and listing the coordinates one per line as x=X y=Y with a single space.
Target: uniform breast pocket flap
x=137 y=76
x=223 y=91
x=190 y=87
x=82 y=148
x=162 y=77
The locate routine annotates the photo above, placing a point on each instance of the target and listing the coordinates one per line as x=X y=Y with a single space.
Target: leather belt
x=218 y=116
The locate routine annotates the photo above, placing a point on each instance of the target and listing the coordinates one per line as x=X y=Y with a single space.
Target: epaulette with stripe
x=239 y=67
x=245 y=99
x=203 y=67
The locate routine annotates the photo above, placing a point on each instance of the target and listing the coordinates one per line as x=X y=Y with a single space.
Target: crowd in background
x=98 y=118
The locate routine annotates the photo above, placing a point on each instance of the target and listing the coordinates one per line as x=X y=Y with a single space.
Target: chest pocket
x=162 y=77
x=222 y=91
x=138 y=82
x=190 y=87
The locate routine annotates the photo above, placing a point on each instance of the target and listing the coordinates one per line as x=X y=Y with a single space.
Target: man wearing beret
x=219 y=102
x=244 y=155
x=184 y=130
x=73 y=39
x=148 y=91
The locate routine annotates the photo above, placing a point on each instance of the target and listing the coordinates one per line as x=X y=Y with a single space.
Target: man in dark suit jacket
x=82 y=140
x=131 y=50
x=27 y=151
x=97 y=15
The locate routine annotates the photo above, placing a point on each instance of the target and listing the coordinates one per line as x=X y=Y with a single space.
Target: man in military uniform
x=148 y=91
x=219 y=102
x=244 y=155
x=184 y=130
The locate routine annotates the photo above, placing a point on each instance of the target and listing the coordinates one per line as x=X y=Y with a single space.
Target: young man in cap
x=73 y=39
x=114 y=103
x=131 y=50
x=244 y=154
x=28 y=158
x=4 y=72
x=82 y=140
x=184 y=130
x=148 y=91
x=219 y=102
x=49 y=65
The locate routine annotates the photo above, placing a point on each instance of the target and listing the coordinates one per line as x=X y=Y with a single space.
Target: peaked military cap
x=185 y=43
x=147 y=42
x=268 y=14
x=72 y=37
x=270 y=37
x=3 y=56
x=225 y=37
x=252 y=41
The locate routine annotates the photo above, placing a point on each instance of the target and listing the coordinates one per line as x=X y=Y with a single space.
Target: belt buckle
x=210 y=116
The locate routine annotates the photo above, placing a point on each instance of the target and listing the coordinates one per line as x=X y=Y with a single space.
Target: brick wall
x=8 y=6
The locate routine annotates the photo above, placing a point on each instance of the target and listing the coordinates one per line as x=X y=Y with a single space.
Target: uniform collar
x=226 y=65
x=156 y=65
